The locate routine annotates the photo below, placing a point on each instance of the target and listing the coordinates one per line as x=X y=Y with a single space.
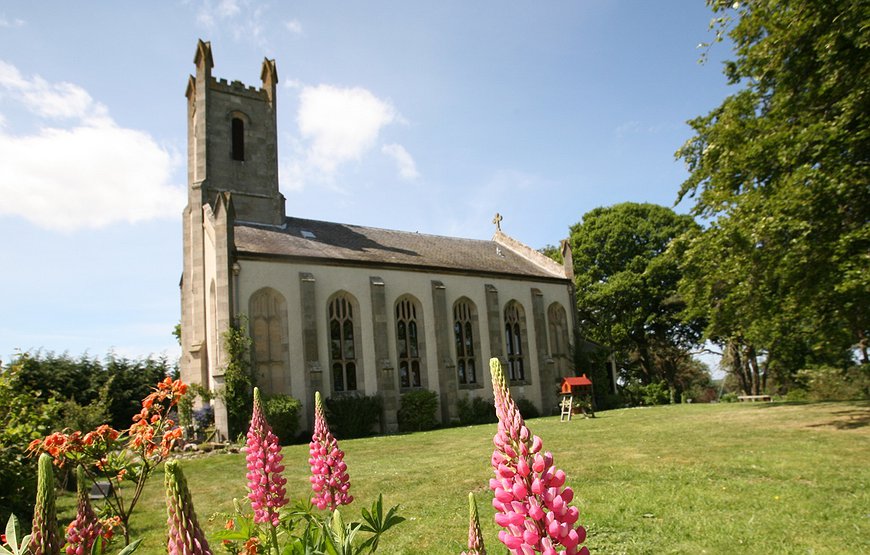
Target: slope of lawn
x=727 y=478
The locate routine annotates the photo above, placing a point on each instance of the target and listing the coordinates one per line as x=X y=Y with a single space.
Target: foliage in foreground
x=113 y=459
x=44 y=392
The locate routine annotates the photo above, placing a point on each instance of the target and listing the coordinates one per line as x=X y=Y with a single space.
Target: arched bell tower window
x=238 y=132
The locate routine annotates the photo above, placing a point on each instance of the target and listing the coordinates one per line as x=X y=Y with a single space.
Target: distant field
x=728 y=478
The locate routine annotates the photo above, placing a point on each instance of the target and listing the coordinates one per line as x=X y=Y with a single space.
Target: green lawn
x=728 y=478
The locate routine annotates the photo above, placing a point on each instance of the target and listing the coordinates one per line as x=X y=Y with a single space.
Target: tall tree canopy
x=780 y=172
x=626 y=277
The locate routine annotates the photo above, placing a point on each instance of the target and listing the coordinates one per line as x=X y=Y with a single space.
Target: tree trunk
x=752 y=361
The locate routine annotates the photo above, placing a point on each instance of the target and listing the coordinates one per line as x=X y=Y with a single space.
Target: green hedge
x=417 y=411
x=354 y=415
x=282 y=412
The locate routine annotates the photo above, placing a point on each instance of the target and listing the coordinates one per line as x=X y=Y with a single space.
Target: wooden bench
x=753 y=398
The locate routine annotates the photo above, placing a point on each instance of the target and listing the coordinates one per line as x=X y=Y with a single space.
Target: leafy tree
x=118 y=384
x=779 y=170
x=626 y=276
x=25 y=415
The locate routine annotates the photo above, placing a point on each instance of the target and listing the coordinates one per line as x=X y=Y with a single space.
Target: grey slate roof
x=344 y=243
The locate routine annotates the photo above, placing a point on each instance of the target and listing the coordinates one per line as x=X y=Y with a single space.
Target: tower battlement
x=233 y=141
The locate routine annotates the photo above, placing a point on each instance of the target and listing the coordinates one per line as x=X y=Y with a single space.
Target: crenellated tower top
x=233 y=141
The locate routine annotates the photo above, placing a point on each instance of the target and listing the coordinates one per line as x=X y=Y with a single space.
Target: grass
x=744 y=478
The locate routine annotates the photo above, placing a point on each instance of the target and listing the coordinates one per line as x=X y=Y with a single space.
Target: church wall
x=284 y=277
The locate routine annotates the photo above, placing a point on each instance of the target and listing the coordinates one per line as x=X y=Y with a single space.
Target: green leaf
x=98 y=547
x=232 y=535
x=131 y=548
x=13 y=528
x=338 y=528
x=25 y=542
x=376 y=523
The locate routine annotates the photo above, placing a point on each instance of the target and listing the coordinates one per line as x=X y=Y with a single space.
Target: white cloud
x=404 y=162
x=10 y=23
x=88 y=175
x=227 y=8
x=294 y=26
x=58 y=100
x=341 y=124
x=242 y=18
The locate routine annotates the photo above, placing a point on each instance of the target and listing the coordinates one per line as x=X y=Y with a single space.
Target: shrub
x=203 y=417
x=797 y=395
x=729 y=398
x=527 y=408
x=185 y=404
x=476 y=410
x=354 y=415
x=116 y=383
x=648 y=395
x=825 y=383
x=282 y=411
x=25 y=416
x=417 y=411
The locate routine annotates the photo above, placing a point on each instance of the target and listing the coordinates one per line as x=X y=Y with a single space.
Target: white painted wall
x=284 y=278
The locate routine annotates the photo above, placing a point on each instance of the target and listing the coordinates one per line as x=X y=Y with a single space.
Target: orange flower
x=251 y=546
x=230 y=524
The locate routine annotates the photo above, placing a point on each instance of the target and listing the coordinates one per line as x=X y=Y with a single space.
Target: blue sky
x=425 y=117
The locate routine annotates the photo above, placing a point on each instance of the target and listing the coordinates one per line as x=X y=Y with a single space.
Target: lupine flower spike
x=265 y=482
x=83 y=531
x=185 y=535
x=44 y=539
x=475 y=537
x=329 y=478
x=530 y=500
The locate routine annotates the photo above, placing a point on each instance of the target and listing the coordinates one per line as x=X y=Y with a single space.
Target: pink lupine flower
x=264 y=456
x=329 y=478
x=531 y=501
x=83 y=531
x=475 y=537
x=185 y=535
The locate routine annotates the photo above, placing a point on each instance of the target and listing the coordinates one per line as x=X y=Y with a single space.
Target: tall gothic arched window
x=465 y=338
x=558 y=324
x=515 y=341
x=342 y=343
x=267 y=311
x=409 y=343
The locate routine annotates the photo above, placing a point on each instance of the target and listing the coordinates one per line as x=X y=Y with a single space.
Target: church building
x=346 y=309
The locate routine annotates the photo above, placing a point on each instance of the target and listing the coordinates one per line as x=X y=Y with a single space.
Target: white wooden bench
x=753 y=398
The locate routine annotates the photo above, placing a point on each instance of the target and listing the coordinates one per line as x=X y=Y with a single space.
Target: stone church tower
x=232 y=165
x=344 y=309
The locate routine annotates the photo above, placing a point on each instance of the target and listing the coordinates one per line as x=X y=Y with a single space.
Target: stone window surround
x=524 y=341
x=357 y=336
x=475 y=334
x=421 y=342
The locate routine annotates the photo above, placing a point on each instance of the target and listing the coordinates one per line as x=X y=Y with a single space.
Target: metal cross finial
x=497 y=221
